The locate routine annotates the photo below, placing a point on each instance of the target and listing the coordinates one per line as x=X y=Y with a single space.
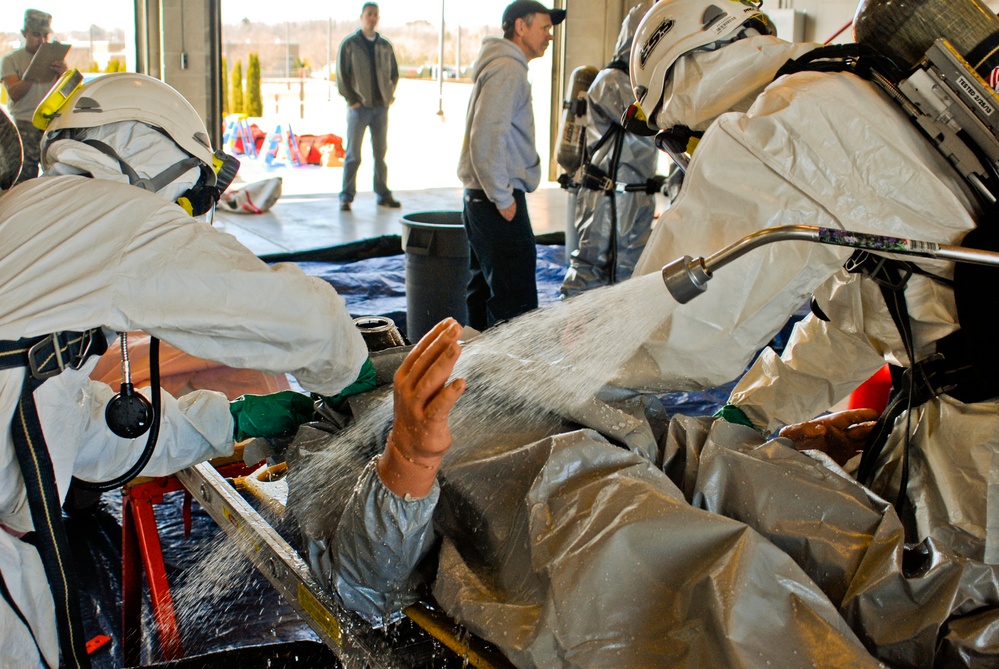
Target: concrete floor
x=304 y=222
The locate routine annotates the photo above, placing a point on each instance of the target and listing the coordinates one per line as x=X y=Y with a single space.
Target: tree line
x=242 y=97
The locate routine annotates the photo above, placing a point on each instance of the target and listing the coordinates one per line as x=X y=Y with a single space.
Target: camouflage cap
x=36 y=21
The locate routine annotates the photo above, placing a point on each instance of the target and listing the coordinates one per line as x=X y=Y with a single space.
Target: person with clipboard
x=27 y=74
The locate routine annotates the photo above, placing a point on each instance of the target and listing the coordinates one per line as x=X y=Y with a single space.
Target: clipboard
x=40 y=67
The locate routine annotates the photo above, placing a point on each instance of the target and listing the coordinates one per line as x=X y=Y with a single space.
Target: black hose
x=151 y=438
x=615 y=163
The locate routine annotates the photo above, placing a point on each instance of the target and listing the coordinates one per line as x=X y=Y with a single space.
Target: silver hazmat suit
x=567 y=550
x=609 y=219
x=700 y=544
x=953 y=446
x=818 y=149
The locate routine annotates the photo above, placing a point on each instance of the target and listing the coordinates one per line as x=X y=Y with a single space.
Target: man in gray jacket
x=499 y=163
x=366 y=76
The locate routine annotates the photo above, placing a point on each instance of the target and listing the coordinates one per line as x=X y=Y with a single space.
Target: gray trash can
x=436 y=248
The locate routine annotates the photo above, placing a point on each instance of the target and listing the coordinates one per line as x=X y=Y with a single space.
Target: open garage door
x=294 y=53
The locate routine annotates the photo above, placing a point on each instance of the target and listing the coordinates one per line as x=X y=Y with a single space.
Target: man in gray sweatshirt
x=499 y=163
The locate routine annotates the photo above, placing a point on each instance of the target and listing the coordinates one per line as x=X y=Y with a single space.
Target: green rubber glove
x=274 y=415
x=734 y=414
x=365 y=381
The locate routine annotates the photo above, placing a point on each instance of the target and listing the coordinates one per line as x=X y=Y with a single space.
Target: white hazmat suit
x=80 y=253
x=827 y=150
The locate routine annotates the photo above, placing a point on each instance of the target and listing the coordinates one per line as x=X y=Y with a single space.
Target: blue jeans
x=358 y=120
x=502 y=258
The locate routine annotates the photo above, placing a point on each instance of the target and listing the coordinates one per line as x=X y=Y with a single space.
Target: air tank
x=904 y=29
x=572 y=131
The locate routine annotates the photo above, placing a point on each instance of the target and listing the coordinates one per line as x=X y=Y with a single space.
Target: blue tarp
x=377 y=286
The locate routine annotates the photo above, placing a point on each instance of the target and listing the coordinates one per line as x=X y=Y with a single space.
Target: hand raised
x=423 y=399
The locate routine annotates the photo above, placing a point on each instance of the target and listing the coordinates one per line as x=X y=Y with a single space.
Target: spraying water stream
x=523 y=376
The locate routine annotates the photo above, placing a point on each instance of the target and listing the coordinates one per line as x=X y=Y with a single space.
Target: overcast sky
x=78 y=15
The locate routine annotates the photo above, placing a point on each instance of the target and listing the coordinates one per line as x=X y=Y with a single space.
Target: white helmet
x=127 y=96
x=673 y=28
x=111 y=100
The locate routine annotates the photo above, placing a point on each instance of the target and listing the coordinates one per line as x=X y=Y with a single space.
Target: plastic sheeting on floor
x=377 y=286
x=222 y=602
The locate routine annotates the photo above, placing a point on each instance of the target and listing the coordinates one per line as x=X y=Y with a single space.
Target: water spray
x=687 y=277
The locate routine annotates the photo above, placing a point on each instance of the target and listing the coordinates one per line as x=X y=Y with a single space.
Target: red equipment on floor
x=141 y=551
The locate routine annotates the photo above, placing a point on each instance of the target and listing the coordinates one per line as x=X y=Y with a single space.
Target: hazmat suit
x=560 y=546
x=612 y=226
x=83 y=248
x=823 y=149
x=830 y=150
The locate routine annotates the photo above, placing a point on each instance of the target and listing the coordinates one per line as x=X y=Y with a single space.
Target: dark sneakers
x=388 y=201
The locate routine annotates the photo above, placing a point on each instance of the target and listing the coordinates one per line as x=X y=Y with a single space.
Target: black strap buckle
x=932 y=376
x=594 y=178
x=887 y=272
x=59 y=351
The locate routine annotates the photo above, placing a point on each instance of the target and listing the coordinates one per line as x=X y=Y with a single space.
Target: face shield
x=128 y=152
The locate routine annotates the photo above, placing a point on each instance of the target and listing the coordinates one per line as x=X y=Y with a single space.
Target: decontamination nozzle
x=687 y=277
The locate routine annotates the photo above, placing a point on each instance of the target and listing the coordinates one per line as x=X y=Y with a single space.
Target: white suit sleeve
x=712 y=338
x=193 y=428
x=206 y=294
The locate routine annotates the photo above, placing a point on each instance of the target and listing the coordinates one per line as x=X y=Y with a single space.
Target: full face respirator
x=199 y=199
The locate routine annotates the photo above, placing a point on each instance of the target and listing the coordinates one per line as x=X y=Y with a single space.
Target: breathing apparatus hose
x=151 y=438
x=615 y=163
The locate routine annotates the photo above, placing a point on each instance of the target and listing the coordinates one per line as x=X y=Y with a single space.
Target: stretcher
x=428 y=638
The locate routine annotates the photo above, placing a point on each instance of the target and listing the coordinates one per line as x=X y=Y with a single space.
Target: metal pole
x=687 y=277
x=440 y=67
x=287 y=51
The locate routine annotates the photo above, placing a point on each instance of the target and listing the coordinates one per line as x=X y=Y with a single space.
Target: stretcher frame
x=351 y=639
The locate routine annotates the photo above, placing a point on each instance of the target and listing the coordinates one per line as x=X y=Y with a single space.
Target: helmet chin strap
x=151 y=184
